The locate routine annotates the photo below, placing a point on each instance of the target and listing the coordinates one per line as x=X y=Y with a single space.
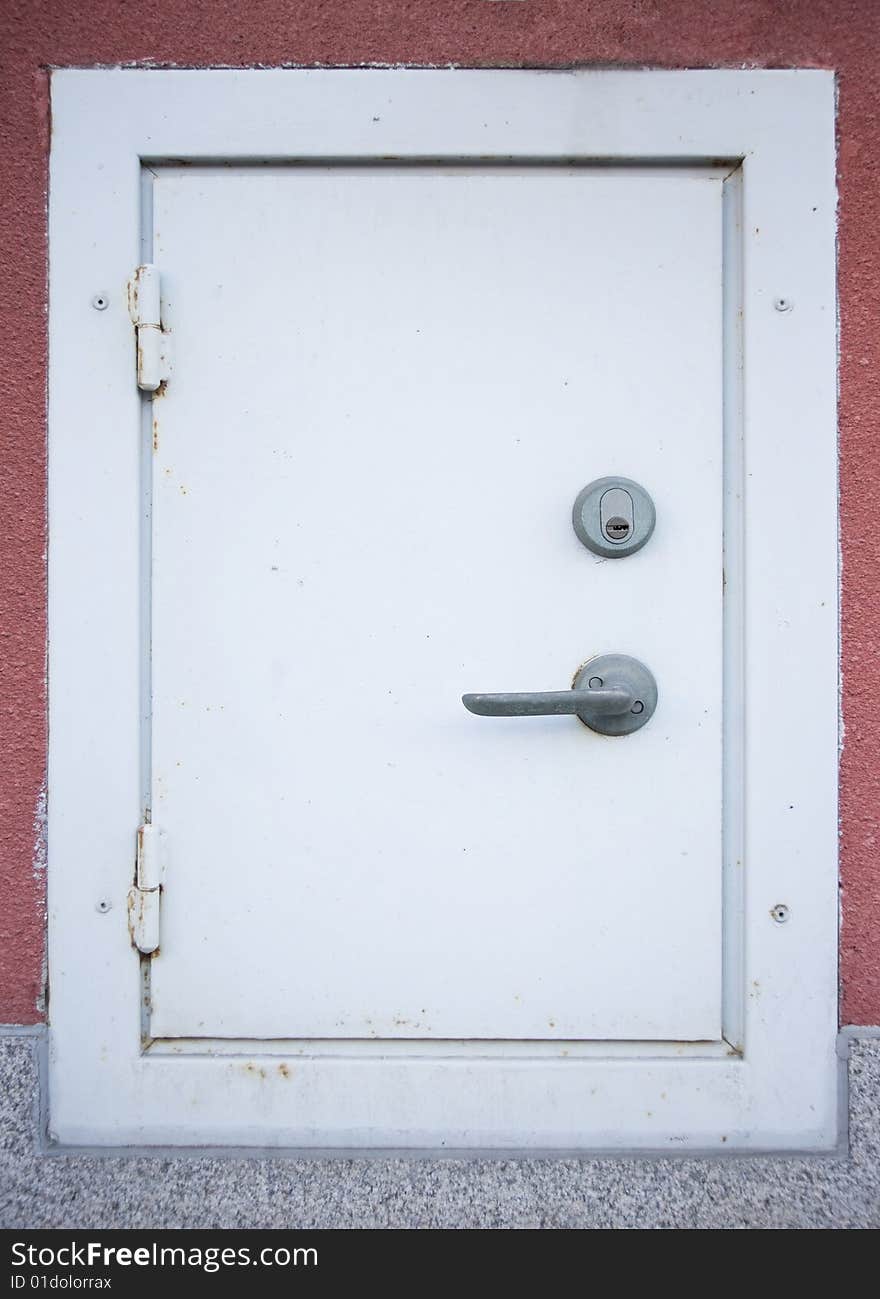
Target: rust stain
x=133 y=287
x=135 y=913
x=284 y=1070
x=155 y=433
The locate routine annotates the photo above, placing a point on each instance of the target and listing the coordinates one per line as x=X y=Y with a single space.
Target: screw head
x=783 y=304
x=103 y=905
x=100 y=302
x=780 y=913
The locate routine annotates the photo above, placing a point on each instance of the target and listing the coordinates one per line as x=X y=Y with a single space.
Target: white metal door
x=390 y=384
x=410 y=316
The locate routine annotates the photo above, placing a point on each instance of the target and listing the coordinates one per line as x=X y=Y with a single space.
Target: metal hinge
x=144 y=899
x=153 y=342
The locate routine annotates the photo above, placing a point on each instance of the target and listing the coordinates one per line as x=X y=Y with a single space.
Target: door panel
x=390 y=380
x=390 y=384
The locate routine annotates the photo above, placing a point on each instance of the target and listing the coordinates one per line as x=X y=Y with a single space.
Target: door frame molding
x=774 y=1085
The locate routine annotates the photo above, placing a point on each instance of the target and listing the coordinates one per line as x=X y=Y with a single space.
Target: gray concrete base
x=103 y=1191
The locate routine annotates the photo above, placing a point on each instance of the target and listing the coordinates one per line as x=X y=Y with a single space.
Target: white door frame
x=771 y=1083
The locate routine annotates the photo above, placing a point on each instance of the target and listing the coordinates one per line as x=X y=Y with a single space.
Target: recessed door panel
x=390 y=385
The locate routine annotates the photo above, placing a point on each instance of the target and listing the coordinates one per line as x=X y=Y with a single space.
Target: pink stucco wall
x=38 y=34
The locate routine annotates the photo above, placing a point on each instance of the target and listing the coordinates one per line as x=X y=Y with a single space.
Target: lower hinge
x=144 y=900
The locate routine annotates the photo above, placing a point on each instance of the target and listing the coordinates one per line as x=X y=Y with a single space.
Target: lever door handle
x=612 y=694
x=551 y=703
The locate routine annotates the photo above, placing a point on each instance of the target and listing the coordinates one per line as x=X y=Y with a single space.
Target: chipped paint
x=39 y=874
x=40 y=836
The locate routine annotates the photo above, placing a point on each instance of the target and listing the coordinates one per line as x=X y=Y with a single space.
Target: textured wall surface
x=80 y=1190
x=38 y=34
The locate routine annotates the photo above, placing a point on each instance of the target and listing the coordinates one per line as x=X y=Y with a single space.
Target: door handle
x=611 y=693
x=550 y=703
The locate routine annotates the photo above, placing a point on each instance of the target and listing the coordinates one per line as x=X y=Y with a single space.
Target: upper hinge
x=153 y=342
x=144 y=899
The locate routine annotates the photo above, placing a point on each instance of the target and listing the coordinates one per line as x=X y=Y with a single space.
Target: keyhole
x=617 y=529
